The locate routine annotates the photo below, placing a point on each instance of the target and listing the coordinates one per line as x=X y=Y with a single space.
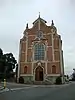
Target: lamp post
x=5 y=77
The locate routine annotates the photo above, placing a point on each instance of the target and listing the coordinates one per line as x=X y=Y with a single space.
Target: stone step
x=42 y=83
x=38 y=82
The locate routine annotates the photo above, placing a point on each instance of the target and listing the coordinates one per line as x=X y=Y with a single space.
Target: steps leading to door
x=42 y=83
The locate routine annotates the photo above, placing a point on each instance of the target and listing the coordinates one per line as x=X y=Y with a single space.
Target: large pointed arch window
x=39 y=51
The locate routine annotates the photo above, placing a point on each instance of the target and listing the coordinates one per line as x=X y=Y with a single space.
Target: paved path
x=65 y=92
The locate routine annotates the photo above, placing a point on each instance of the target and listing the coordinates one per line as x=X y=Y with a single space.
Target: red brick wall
x=56 y=55
x=30 y=39
x=49 y=67
x=49 y=39
x=49 y=54
x=22 y=57
x=29 y=68
x=29 y=55
x=45 y=29
x=56 y=43
x=23 y=46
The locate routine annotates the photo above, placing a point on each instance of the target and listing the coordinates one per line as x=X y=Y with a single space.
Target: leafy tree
x=1 y=52
x=16 y=71
x=2 y=62
x=73 y=77
x=7 y=64
x=10 y=62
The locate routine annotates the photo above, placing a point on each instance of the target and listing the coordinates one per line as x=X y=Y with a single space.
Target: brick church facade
x=40 y=53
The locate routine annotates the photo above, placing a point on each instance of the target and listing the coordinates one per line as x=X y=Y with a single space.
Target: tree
x=7 y=64
x=10 y=62
x=16 y=71
x=1 y=52
x=2 y=62
x=73 y=75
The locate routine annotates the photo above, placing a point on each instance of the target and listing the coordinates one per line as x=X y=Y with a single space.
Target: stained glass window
x=39 y=51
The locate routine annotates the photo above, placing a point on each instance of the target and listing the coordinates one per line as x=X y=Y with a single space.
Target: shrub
x=73 y=77
x=58 y=80
x=21 y=80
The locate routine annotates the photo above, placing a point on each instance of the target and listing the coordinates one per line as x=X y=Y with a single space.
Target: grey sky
x=14 y=14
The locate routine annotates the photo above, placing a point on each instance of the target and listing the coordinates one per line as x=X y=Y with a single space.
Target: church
x=40 y=53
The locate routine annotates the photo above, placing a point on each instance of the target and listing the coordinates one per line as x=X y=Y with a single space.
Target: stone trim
x=53 y=74
x=26 y=49
x=52 y=47
x=19 y=60
x=26 y=75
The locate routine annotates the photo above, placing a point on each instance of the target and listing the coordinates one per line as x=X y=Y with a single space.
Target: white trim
x=26 y=75
x=39 y=24
x=31 y=35
x=46 y=50
x=32 y=58
x=49 y=46
x=46 y=56
x=49 y=33
x=56 y=50
x=52 y=47
x=56 y=61
x=53 y=74
x=61 y=63
x=27 y=62
x=37 y=66
x=33 y=53
x=43 y=34
x=46 y=67
x=19 y=61
x=26 y=48
x=43 y=61
x=61 y=58
x=22 y=52
x=40 y=61
x=32 y=67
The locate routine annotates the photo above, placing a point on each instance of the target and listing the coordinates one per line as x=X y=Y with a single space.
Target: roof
x=40 y=20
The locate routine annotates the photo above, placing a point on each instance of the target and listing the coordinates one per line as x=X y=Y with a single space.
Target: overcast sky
x=14 y=14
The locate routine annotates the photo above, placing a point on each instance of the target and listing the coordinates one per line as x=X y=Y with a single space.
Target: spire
x=27 y=26
x=52 y=24
x=39 y=22
x=39 y=14
x=40 y=19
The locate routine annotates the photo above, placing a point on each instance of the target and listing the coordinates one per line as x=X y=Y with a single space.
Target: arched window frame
x=25 y=70
x=41 y=56
x=53 y=69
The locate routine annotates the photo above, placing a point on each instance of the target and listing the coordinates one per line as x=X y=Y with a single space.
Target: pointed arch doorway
x=39 y=74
